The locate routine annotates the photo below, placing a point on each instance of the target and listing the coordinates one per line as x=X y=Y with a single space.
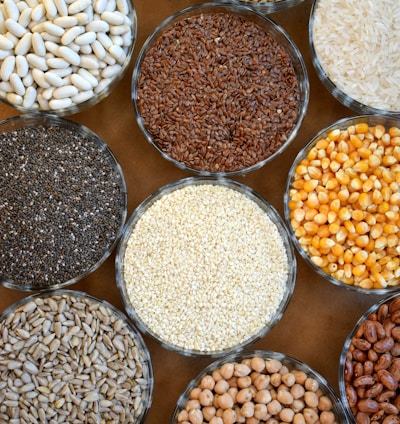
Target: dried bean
x=217 y=93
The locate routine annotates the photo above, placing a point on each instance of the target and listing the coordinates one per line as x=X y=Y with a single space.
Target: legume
x=344 y=205
x=44 y=44
x=217 y=93
x=372 y=366
x=273 y=406
x=67 y=357
x=205 y=268
x=62 y=204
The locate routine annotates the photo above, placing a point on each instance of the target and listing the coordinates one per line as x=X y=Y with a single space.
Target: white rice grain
x=358 y=45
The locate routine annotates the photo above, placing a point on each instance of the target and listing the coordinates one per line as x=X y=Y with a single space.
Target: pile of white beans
x=55 y=54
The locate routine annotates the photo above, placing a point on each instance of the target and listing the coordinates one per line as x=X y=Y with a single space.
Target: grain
x=67 y=386
x=61 y=205
x=205 y=268
x=358 y=46
x=217 y=93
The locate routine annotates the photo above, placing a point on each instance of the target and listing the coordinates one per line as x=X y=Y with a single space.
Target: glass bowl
x=63 y=203
x=205 y=266
x=342 y=203
x=369 y=369
x=266 y=6
x=68 y=60
x=224 y=106
x=75 y=355
x=284 y=389
x=364 y=80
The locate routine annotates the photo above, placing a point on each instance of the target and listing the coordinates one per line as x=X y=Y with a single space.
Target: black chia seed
x=62 y=203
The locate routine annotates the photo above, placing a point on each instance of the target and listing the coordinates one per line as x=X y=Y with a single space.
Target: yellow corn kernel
x=331 y=149
x=311 y=227
x=334 y=228
x=332 y=184
x=386 y=193
x=298 y=214
x=349 y=226
x=294 y=204
x=348 y=256
x=312 y=154
x=323 y=197
x=362 y=128
x=389 y=160
x=371 y=260
x=314 y=172
x=362 y=241
x=392 y=240
x=323 y=231
x=353 y=197
x=383 y=207
x=343 y=195
x=348 y=270
x=366 y=284
x=387 y=175
x=395 y=199
x=341 y=235
x=368 y=185
x=361 y=166
x=318 y=261
x=357 y=215
x=344 y=214
x=339 y=274
x=370 y=219
x=356 y=141
x=377 y=197
x=310 y=185
x=322 y=144
x=315 y=242
x=359 y=270
x=342 y=155
x=392 y=215
x=326 y=243
x=312 y=200
x=300 y=232
x=305 y=241
x=362 y=228
x=364 y=152
x=390 y=229
x=310 y=213
x=364 y=200
x=394 y=131
x=355 y=184
x=332 y=268
x=320 y=218
x=380 y=243
x=337 y=250
x=334 y=134
x=378 y=131
x=334 y=166
x=342 y=177
x=298 y=184
x=301 y=169
x=360 y=257
x=374 y=161
x=332 y=217
x=393 y=264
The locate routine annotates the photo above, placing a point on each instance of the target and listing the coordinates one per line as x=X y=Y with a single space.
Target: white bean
x=104 y=39
x=21 y=66
x=103 y=84
x=47 y=94
x=83 y=18
x=5 y=87
x=15 y=28
x=38 y=45
x=60 y=103
x=57 y=63
x=113 y=18
x=51 y=9
x=24 y=44
x=25 y=17
x=39 y=78
x=119 y=29
x=51 y=47
x=66 y=21
x=85 y=49
x=110 y=6
x=69 y=55
x=5 y=43
x=17 y=84
x=82 y=96
x=61 y=7
x=88 y=76
x=36 y=61
x=53 y=29
x=5 y=53
x=98 y=50
x=29 y=98
x=70 y=34
x=28 y=79
x=98 y=25
x=14 y=99
x=89 y=62
x=85 y=38
x=67 y=91
x=53 y=79
x=122 y=6
x=11 y=9
x=100 y=6
x=7 y=68
x=80 y=82
x=78 y=6
x=62 y=72
x=38 y=12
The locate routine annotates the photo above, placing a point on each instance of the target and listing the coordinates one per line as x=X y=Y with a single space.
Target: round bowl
x=342 y=203
x=265 y=6
x=74 y=355
x=364 y=80
x=284 y=389
x=68 y=59
x=369 y=369
x=205 y=266
x=63 y=203
x=211 y=107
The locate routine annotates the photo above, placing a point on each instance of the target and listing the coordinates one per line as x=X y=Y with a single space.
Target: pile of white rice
x=358 y=45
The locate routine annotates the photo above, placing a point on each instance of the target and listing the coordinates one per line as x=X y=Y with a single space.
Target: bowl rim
x=292 y=363
x=30 y=120
x=333 y=89
x=341 y=123
x=268 y=6
x=240 y=10
x=147 y=361
x=342 y=359
x=250 y=194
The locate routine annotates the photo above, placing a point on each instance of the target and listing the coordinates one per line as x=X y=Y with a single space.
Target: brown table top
x=319 y=316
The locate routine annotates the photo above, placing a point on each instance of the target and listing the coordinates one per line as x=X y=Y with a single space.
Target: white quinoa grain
x=205 y=268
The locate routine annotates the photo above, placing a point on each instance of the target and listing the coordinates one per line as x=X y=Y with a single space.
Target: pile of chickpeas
x=256 y=390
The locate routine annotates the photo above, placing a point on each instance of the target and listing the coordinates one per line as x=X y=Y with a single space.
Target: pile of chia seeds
x=62 y=205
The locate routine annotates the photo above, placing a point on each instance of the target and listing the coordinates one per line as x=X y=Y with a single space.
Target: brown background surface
x=319 y=316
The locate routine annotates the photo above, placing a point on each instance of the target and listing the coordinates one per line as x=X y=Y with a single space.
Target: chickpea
x=243 y=382
x=263 y=397
x=284 y=370
x=247 y=409
x=192 y=404
x=241 y=370
x=274 y=407
x=261 y=411
x=233 y=391
x=233 y=381
x=297 y=391
x=286 y=415
x=288 y=379
x=195 y=416
x=325 y=404
x=262 y=381
x=327 y=417
x=225 y=401
x=209 y=412
x=207 y=382
x=221 y=386
x=229 y=416
x=311 y=399
x=194 y=393
x=273 y=365
x=310 y=415
x=244 y=395
x=311 y=384
x=301 y=377
x=239 y=417
x=227 y=370
x=257 y=364
x=216 y=375
x=206 y=397
x=216 y=420
x=252 y=420
x=276 y=379
x=298 y=405
x=272 y=421
x=285 y=397
x=299 y=419
x=183 y=415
